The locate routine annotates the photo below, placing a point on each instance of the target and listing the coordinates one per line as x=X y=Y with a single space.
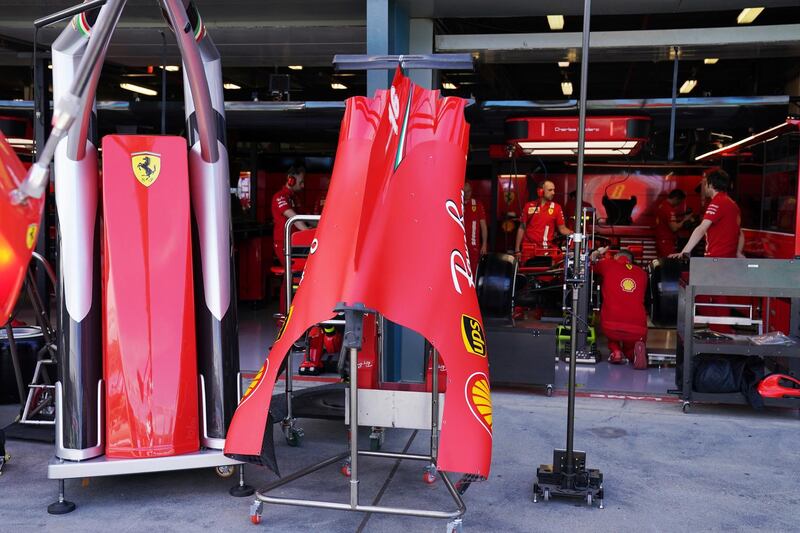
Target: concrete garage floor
x=714 y=469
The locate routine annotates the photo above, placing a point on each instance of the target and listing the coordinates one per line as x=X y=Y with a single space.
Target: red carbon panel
x=19 y=225
x=393 y=239
x=149 y=351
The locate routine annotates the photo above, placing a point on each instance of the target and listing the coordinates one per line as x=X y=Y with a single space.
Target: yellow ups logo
x=146 y=167
x=472 y=335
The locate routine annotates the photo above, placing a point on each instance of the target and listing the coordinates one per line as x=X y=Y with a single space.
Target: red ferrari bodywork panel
x=149 y=346
x=19 y=228
x=392 y=238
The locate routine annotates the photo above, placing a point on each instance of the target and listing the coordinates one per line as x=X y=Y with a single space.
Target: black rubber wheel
x=294 y=438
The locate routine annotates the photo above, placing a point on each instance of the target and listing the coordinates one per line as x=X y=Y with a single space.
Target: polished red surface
x=149 y=351
x=392 y=238
x=19 y=227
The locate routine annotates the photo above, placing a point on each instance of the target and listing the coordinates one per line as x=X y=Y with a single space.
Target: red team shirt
x=282 y=200
x=722 y=237
x=623 y=288
x=666 y=240
x=541 y=222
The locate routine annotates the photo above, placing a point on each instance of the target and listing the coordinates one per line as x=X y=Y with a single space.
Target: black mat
x=17 y=431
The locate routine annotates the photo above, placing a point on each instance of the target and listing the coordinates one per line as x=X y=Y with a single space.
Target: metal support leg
x=353 y=428
x=431 y=470
x=241 y=489
x=62 y=506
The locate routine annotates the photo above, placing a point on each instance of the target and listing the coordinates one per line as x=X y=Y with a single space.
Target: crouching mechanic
x=623 y=318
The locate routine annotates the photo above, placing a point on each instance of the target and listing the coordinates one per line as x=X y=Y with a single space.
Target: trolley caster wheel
x=685 y=407
x=430 y=475
x=294 y=437
x=346 y=470
x=549 y=391
x=546 y=495
x=225 y=471
x=255 y=512
x=455 y=526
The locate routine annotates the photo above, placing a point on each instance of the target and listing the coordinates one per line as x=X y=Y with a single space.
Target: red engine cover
x=149 y=350
x=19 y=227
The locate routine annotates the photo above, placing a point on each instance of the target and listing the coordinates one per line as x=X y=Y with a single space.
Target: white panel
x=212 y=209
x=394 y=409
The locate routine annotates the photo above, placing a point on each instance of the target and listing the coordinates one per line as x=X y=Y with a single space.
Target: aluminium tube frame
x=78 y=58
x=68 y=106
x=288 y=422
x=213 y=262
x=353 y=453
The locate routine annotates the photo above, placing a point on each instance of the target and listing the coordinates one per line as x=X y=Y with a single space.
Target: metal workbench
x=736 y=277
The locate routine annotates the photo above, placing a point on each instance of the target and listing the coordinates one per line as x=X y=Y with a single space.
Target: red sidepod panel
x=149 y=350
x=392 y=237
x=19 y=228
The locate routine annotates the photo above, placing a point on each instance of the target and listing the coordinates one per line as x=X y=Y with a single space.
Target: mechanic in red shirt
x=474 y=227
x=285 y=206
x=721 y=227
x=541 y=219
x=623 y=318
x=671 y=215
x=721 y=224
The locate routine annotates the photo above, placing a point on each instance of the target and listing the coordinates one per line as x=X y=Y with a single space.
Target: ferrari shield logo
x=146 y=167
x=30 y=235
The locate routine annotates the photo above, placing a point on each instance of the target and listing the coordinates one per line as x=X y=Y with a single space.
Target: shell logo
x=479 y=399
x=628 y=285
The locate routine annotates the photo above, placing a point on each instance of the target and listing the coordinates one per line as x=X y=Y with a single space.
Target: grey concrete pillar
x=420 y=37
x=387 y=34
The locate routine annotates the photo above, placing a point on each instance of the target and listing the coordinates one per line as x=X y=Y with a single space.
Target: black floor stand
x=61 y=506
x=568 y=475
x=241 y=490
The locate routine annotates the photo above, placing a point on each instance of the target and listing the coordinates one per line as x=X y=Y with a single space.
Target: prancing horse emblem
x=146 y=167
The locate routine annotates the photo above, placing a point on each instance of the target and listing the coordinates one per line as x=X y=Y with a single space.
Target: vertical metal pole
x=672 y=112
x=353 y=428
x=287 y=261
x=435 y=406
x=578 y=265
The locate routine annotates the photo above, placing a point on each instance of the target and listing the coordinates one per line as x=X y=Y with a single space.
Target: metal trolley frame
x=353 y=338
